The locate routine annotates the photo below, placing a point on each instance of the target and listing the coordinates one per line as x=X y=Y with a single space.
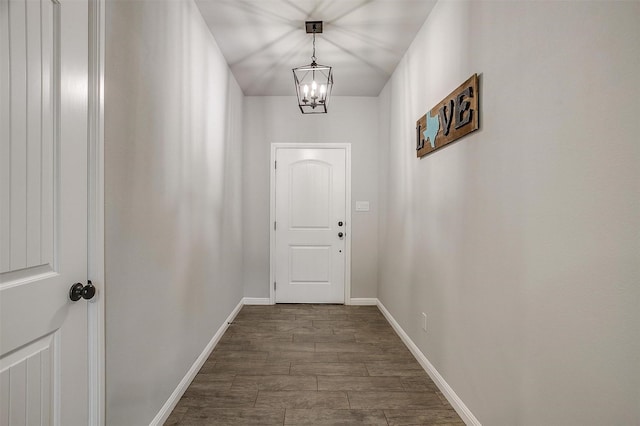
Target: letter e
x=463 y=106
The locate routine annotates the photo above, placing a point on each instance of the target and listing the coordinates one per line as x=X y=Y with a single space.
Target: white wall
x=521 y=241
x=173 y=162
x=276 y=119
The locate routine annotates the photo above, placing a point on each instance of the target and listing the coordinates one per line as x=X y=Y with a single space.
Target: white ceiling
x=262 y=40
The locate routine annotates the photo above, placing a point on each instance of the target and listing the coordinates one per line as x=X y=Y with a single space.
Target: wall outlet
x=424 y=322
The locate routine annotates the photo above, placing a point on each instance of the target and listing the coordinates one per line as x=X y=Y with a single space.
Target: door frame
x=272 y=212
x=95 y=211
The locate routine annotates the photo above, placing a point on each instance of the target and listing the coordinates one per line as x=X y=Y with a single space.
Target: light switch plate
x=362 y=206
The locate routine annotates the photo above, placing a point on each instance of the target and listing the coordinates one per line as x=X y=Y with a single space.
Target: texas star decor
x=455 y=116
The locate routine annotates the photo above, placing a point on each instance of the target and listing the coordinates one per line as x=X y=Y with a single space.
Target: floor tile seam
x=367 y=369
x=384 y=413
x=255 y=401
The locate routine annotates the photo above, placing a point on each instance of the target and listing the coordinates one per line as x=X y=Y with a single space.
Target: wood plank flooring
x=312 y=365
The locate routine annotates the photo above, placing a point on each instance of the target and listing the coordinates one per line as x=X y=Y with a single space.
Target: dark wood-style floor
x=312 y=365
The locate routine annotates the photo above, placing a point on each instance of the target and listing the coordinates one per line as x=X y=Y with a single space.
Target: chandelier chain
x=313 y=57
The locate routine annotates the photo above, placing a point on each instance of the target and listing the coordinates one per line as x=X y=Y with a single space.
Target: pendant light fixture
x=313 y=82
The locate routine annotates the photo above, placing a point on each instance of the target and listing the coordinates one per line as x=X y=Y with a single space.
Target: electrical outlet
x=424 y=322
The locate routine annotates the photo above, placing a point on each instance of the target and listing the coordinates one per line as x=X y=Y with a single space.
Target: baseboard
x=363 y=301
x=168 y=406
x=455 y=401
x=256 y=301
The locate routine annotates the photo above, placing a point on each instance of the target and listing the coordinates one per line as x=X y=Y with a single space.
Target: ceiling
x=363 y=40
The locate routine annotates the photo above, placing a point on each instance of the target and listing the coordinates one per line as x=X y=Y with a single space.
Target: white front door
x=43 y=211
x=311 y=225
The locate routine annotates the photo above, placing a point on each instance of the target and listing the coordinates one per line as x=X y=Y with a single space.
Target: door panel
x=43 y=211
x=310 y=201
x=310 y=208
x=25 y=384
x=26 y=129
x=310 y=264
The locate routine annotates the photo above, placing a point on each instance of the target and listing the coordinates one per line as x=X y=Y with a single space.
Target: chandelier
x=313 y=82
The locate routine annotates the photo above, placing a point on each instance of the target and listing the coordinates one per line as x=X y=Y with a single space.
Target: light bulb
x=306 y=90
x=314 y=85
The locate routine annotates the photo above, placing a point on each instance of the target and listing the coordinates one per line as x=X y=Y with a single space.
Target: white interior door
x=311 y=225
x=43 y=211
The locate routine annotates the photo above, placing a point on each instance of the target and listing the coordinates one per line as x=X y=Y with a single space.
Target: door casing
x=272 y=214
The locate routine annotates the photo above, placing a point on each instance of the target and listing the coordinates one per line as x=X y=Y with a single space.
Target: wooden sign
x=451 y=119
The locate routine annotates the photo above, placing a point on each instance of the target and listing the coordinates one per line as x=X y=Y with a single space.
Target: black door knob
x=340 y=223
x=340 y=234
x=78 y=291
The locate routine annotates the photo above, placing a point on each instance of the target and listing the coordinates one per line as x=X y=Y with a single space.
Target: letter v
x=445 y=117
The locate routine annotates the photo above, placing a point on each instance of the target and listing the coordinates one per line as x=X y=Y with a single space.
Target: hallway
x=312 y=365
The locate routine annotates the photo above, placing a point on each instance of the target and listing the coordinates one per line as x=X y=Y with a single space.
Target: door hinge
x=274 y=225
x=275 y=164
x=274 y=286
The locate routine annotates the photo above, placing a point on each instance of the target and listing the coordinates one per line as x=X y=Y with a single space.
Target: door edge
x=95 y=234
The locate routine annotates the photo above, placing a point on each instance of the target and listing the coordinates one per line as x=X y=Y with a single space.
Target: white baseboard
x=363 y=301
x=171 y=403
x=256 y=301
x=455 y=401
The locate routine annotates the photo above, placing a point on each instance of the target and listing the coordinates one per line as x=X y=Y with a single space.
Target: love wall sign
x=455 y=116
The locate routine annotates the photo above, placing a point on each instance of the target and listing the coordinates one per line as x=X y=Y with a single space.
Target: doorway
x=310 y=223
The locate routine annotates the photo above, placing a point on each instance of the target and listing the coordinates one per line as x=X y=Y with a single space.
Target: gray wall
x=273 y=119
x=173 y=162
x=521 y=241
